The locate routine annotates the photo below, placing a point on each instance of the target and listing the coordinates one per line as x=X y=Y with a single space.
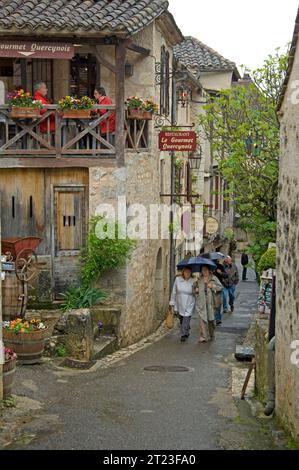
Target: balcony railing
x=69 y=137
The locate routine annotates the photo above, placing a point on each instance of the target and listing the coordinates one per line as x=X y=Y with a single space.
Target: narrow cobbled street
x=123 y=406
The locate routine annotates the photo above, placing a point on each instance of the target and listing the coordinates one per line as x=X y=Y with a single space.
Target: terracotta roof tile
x=118 y=16
x=195 y=55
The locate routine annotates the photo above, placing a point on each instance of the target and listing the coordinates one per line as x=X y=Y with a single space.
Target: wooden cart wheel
x=26 y=265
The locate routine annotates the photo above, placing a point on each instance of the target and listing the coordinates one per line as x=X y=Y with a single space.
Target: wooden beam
x=101 y=60
x=140 y=50
x=65 y=162
x=91 y=39
x=120 y=61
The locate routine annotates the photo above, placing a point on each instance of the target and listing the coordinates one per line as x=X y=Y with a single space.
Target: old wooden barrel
x=29 y=347
x=9 y=369
x=12 y=296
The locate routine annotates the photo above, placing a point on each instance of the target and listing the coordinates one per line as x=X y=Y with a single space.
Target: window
x=226 y=206
x=164 y=82
x=162 y=176
x=217 y=193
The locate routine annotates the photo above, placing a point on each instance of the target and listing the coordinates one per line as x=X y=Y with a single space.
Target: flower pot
x=76 y=113
x=140 y=114
x=29 y=347
x=9 y=369
x=24 y=113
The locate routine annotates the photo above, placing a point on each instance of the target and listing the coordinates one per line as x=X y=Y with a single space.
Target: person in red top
x=107 y=126
x=40 y=93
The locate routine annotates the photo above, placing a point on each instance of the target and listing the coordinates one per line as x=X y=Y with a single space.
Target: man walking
x=220 y=274
x=244 y=262
x=230 y=283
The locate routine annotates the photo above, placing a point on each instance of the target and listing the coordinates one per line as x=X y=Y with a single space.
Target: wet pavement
x=122 y=406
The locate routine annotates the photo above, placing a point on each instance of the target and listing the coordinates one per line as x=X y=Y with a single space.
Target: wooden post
x=120 y=60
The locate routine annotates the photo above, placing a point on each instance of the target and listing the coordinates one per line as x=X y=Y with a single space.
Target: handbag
x=170 y=318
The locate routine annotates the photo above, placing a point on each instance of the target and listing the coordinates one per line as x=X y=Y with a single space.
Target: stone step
x=103 y=346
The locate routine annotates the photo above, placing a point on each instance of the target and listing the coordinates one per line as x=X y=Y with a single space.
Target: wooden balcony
x=71 y=142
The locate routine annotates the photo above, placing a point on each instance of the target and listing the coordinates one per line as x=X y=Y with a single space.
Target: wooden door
x=23 y=205
x=70 y=214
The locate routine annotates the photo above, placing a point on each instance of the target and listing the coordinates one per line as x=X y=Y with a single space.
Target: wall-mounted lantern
x=183 y=96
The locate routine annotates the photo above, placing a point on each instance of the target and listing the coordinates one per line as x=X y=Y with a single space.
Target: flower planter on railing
x=140 y=114
x=77 y=114
x=24 y=113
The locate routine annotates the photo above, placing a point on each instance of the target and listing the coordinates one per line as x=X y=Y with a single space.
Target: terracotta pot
x=29 y=347
x=140 y=114
x=9 y=369
x=76 y=113
x=24 y=113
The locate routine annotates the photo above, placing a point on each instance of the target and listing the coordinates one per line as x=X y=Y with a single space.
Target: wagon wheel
x=26 y=265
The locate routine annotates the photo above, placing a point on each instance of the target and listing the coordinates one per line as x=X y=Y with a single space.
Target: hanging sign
x=212 y=225
x=178 y=141
x=38 y=50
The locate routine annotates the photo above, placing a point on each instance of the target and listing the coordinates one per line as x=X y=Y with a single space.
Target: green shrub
x=61 y=350
x=82 y=297
x=103 y=254
x=267 y=261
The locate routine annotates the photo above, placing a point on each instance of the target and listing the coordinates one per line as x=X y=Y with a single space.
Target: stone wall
x=287 y=324
x=142 y=287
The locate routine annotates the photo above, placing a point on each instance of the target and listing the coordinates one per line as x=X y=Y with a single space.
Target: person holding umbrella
x=205 y=290
x=183 y=300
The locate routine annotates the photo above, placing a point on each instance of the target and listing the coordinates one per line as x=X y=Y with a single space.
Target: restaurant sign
x=37 y=50
x=178 y=141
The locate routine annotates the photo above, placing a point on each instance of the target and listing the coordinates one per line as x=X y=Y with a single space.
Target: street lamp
x=183 y=96
x=195 y=159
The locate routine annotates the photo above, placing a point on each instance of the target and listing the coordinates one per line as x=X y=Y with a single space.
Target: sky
x=245 y=32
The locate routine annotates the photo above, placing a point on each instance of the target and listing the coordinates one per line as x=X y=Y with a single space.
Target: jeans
x=218 y=316
x=244 y=275
x=229 y=295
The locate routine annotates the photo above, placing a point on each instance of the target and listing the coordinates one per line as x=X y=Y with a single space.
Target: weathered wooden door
x=70 y=214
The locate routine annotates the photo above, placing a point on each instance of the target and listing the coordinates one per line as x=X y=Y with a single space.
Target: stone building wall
x=142 y=287
x=287 y=320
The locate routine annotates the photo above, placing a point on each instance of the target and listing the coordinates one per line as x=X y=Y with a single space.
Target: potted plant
x=26 y=337
x=76 y=108
x=9 y=368
x=141 y=109
x=23 y=105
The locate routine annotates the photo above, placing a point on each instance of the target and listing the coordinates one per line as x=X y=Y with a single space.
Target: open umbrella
x=183 y=264
x=199 y=261
x=213 y=256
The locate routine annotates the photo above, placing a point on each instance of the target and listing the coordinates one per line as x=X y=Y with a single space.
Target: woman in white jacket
x=183 y=300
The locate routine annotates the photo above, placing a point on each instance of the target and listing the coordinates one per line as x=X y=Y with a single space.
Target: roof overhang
x=170 y=29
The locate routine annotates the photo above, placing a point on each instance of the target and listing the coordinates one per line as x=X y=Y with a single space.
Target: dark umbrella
x=197 y=263
x=213 y=256
x=183 y=264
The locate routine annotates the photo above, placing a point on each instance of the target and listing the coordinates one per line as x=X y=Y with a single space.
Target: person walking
x=220 y=274
x=183 y=301
x=230 y=283
x=205 y=290
x=244 y=262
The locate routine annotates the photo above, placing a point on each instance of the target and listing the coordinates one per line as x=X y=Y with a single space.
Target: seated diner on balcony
x=40 y=93
x=107 y=126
